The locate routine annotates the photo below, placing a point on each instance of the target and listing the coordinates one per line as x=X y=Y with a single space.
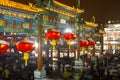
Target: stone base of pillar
x=39 y=74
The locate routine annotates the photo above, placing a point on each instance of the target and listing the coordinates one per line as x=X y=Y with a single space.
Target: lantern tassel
x=53 y=47
x=89 y=48
x=26 y=57
x=53 y=44
x=83 y=50
x=68 y=46
x=69 y=42
x=26 y=63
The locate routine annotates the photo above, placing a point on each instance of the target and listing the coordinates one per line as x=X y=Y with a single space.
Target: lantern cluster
x=86 y=43
x=24 y=46
x=53 y=35
x=91 y=44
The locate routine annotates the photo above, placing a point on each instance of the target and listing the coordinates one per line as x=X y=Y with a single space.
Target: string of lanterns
x=86 y=43
x=26 y=46
x=54 y=35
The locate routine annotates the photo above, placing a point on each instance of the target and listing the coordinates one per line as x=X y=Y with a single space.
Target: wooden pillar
x=30 y=25
x=78 y=43
x=39 y=59
x=68 y=50
x=14 y=24
x=5 y=23
x=21 y=24
x=94 y=50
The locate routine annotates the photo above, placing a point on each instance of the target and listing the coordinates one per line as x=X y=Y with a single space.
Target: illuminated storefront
x=112 y=38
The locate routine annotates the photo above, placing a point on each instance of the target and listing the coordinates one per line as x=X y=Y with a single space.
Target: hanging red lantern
x=53 y=35
x=26 y=47
x=83 y=44
x=3 y=46
x=69 y=36
x=91 y=43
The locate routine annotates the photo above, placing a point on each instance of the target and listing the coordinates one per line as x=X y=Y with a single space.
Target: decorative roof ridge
x=16 y=5
x=68 y=7
x=91 y=24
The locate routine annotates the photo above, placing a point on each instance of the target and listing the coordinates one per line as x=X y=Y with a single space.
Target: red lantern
x=3 y=46
x=91 y=42
x=53 y=35
x=69 y=37
x=25 y=47
x=83 y=43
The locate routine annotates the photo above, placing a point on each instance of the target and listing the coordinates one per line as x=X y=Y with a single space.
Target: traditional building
x=19 y=20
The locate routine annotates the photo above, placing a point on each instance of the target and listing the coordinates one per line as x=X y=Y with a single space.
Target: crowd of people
x=12 y=67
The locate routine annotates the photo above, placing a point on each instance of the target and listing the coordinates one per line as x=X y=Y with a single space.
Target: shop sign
x=19 y=30
x=112 y=29
x=14 y=30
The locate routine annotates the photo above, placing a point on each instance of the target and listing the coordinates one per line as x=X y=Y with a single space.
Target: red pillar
x=5 y=23
x=39 y=60
x=14 y=24
x=21 y=24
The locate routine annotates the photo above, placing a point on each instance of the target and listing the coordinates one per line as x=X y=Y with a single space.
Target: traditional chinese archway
x=3 y=46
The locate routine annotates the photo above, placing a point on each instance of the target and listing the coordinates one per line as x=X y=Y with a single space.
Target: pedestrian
x=6 y=73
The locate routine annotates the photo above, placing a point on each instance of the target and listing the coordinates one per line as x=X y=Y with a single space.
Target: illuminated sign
x=112 y=34
x=112 y=29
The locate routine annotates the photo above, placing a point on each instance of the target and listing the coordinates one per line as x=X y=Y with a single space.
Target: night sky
x=103 y=10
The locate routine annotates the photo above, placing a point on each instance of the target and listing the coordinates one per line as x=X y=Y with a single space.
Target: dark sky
x=103 y=10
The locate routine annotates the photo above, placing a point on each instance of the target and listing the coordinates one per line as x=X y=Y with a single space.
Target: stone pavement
x=47 y=79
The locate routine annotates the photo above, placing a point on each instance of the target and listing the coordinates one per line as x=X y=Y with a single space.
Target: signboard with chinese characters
x=19 y=30
x=112 y=34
